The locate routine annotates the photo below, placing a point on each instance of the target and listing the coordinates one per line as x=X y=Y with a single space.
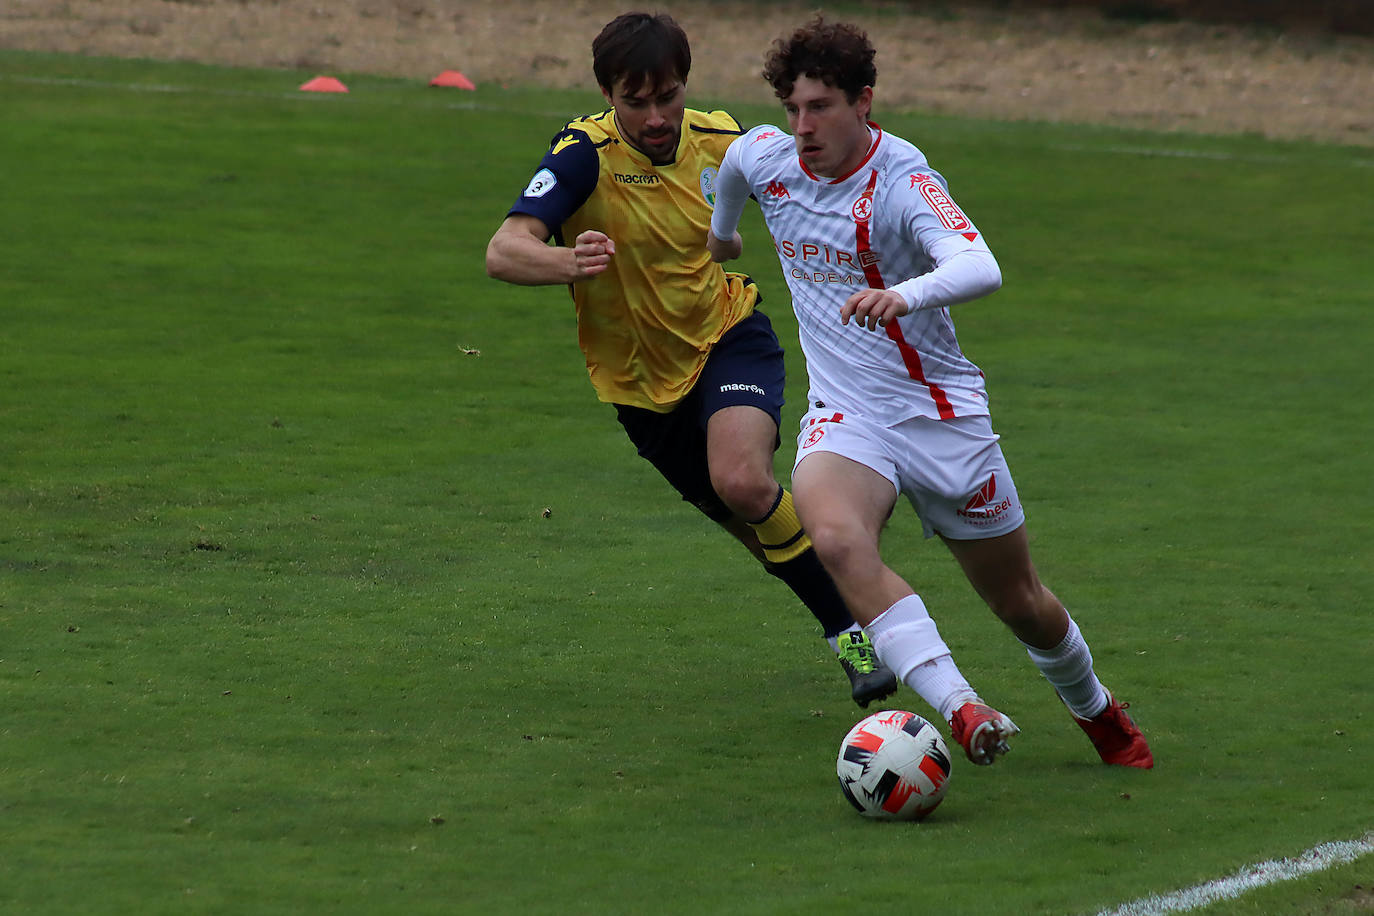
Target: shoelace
x=860 y=655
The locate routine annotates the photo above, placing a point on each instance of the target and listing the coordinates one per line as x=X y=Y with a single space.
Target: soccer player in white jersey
x=874 y=250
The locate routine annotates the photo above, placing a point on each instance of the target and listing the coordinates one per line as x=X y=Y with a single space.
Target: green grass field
x=326 y=585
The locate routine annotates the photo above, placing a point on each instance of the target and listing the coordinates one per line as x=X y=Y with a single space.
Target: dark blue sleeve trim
x=716 y=130
x=565 y=178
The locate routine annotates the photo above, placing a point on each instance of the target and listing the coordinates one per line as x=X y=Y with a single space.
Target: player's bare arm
x=723 y=250
x=873 y=308
x=520 y=253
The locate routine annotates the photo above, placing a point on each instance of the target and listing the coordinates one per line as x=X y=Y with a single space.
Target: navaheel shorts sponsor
x=952 y=471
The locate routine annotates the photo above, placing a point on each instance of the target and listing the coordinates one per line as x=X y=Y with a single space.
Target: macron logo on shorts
x=752 y=389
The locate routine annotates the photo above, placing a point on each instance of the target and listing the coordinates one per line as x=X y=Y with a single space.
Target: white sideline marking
x=1318 y=858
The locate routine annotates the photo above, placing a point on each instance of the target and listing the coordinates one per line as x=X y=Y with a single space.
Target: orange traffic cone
x=452 y=79
x=323 y=84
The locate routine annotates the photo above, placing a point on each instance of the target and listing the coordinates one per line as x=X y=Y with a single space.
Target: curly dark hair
x=836 y=53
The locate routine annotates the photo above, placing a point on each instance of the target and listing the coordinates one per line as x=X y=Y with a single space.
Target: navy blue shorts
x=745 y=367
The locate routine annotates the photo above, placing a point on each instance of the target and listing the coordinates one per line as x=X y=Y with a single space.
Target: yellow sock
x=780 y=532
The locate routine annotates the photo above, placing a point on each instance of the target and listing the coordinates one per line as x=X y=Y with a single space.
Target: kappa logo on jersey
x=764 y=136
x=862 y=209
x=947 y=210
x=542 y=183
x=983 y=507
x=776 y=189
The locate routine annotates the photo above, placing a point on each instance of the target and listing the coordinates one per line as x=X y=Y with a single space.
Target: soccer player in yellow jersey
x=674 y=342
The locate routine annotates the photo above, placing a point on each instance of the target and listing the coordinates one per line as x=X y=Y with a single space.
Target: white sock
x=835 y=640
x=908 y=642
x=1069 y=667
x=940 y=683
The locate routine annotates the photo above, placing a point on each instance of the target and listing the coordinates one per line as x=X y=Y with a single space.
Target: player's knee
x=1021 y=602
x=842 y=549
x=749 y=494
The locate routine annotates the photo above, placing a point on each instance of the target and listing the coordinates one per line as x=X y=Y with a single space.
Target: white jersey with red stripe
x=889 y=223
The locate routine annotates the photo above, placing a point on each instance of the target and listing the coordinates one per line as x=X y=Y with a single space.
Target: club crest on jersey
x=862 y=209
x=542 y=183
x=708 y=185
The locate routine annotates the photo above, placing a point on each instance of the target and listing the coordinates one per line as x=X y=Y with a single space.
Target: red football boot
x=1116 y=737
x=982 y=731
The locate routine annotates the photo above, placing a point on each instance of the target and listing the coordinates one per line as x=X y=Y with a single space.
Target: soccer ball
x=894 y=765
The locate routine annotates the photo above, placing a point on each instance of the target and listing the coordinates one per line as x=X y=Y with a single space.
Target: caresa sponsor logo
x=951 y=217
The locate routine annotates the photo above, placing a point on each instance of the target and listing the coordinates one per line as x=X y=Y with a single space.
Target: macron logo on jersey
x=624 y=178
x=776 y=189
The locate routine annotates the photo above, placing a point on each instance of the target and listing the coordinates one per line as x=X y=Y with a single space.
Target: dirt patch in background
x=1059 y=65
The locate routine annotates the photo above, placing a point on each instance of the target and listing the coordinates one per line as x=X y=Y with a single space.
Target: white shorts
x=952 y=471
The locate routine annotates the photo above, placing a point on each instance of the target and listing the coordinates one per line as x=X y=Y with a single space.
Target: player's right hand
x=592 y=252
x=873 y=308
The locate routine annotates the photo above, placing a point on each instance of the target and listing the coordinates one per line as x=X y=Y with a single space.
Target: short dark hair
x=640 y=48
x=836 y=53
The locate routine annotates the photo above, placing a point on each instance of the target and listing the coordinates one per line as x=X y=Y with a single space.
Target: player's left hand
x=873 y=308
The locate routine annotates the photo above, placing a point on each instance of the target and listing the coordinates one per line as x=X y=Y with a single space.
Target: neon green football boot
x=869 y=678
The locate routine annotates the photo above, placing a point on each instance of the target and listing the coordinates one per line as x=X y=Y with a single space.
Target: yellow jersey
x=647 y=323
